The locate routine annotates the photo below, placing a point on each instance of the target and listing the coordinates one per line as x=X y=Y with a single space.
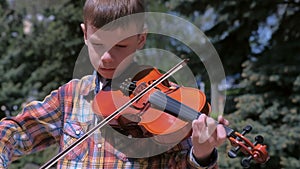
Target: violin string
x=54 y=160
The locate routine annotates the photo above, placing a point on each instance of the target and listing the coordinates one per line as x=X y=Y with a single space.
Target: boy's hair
x=101 y=12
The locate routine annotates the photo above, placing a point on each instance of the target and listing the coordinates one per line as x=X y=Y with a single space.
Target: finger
x=201 y=121
x=202 y=118
x=222 y=120
x=211 y=125
x=200 y=129
x=198 y=126
x=221 y=134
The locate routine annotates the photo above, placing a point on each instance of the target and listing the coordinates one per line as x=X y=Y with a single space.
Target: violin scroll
x=256 y=151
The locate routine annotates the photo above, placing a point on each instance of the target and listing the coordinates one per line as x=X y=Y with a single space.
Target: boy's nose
x=106 y=57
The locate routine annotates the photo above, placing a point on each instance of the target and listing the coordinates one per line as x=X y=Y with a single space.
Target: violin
x=164 y=110
x=159 y=109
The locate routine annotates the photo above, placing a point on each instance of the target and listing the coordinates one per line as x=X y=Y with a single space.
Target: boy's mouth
x=107 y=69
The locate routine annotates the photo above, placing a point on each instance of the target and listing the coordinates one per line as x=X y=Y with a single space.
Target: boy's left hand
x=207 y=135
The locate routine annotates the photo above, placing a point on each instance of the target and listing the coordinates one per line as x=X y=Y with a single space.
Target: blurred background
x=258 y=42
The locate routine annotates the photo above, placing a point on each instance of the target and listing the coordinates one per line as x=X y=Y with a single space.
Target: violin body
x=164 y=127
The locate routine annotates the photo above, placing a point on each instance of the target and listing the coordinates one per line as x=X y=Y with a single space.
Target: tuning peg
x=246 y=129
x=246 y=162
x=258 y=140
x=232 y=154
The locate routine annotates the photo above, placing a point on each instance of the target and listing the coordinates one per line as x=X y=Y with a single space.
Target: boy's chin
x=112 y=75
x=106 y=75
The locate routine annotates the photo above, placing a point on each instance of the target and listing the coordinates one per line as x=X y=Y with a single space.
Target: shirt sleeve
x=212 y=161
x=37 y=127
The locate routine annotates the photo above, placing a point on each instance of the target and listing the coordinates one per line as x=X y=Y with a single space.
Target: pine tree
x=271 y=96
x=38 y=54
x=260 y=41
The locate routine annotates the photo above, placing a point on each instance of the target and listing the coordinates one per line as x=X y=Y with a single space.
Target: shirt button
x=24 y=136
x=99 y=145
x=129 y=136
x=77 y=132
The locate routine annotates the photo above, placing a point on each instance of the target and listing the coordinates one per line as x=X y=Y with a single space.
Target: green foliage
x=35 y=160
x=34 y=63
x=269 y=65
x=271 y=87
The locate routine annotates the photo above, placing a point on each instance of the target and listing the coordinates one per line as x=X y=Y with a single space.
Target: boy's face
x=111 y=52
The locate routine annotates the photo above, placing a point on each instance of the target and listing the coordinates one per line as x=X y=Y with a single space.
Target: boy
x=66 y=114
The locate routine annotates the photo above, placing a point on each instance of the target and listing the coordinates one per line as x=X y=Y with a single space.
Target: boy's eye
x=121 y=46
x=97 y=44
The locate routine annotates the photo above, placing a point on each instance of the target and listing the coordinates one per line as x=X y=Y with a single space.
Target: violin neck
x=163 y=102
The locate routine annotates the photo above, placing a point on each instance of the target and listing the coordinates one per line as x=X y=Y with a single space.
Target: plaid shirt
x=64 y=116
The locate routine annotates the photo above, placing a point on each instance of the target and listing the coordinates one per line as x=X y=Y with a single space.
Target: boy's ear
x=83 y=28
x=142 y=40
